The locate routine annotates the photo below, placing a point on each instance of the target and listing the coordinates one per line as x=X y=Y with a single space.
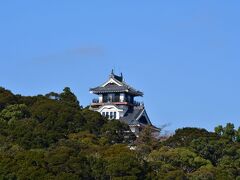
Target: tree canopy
x=52 y=137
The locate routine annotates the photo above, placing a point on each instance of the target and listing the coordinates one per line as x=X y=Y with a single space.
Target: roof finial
x=112 y=72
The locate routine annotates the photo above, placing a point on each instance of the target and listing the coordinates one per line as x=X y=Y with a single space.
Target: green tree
x=238 y=135
x=6 y=98
x=15 y=112
x=115 y=132
x=209 y=148
x=69 y=98
x=229 y=132
x=219 y=130
x=147 y=141
x=27 y=135
x=229 y=167
x=122 y=163
x=182 y=158
x=94 y=121
x=183 y=137
x=57 y=116
x=203 y=174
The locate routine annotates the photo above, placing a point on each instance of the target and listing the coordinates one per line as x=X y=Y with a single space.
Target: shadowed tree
x=147 y=141
x=6 y=98
x=115 y=132
x=69 y=98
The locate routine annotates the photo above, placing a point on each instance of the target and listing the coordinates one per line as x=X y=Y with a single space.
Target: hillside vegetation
x=52 y=137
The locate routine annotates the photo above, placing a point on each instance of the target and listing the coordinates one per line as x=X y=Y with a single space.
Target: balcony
x=115 y=101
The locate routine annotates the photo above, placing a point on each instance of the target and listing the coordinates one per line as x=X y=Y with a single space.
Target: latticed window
x=111 y=115
x=117 y=97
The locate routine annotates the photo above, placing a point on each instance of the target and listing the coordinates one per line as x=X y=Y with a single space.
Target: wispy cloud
x=89 y=51
x=69 y=54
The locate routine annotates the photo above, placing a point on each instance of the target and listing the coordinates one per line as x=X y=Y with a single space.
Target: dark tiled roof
x=119 y=78
x=115 y=88
x=109 y=89
x=131 y=116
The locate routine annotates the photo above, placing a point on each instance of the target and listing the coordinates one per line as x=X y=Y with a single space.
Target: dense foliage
x=53 y=137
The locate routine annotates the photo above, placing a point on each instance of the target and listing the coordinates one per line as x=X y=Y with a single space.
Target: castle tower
x=116 y=101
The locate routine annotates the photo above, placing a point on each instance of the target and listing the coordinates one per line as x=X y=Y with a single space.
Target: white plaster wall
x=100 y=98
x=122 y=97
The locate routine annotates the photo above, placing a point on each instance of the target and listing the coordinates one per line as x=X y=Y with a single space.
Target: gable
x=112 y=82
x=144 y=119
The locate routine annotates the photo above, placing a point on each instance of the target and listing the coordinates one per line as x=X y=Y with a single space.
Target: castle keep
x=116 y=101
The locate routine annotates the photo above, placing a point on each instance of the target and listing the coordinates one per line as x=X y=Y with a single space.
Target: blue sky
x=184 y=55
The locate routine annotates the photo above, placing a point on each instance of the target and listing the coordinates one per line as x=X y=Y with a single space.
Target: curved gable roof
x=115 y=84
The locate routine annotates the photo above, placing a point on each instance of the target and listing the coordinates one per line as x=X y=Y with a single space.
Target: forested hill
x=52 y=137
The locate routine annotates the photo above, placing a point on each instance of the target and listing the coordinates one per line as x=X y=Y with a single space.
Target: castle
x=116 y=101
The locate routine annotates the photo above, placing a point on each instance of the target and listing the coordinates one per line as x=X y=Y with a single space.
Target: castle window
x=115 y=115
x=103 y=113
x=107 y=114
x=111 y=115
x=105 y=98
x=117 y=97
